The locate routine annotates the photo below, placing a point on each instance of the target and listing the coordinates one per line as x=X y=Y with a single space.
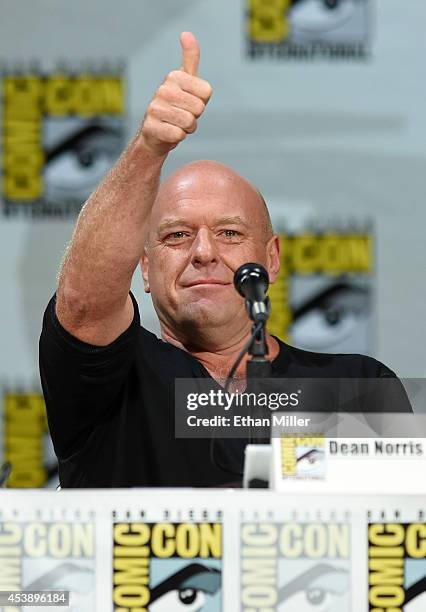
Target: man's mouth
x=206 y=282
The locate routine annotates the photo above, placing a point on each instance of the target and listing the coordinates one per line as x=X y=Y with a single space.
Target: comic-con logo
x=305 y=29
x=167 y=567
x=295 y=567
x=26 y=442
x=397 y=567
x=303 y=458
x=40 y=555
x=321 y=300
x=61 y=132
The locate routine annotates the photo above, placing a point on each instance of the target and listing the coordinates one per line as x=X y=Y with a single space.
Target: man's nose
x=204 y=248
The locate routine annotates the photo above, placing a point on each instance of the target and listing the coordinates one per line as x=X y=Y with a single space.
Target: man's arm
x=93 y=302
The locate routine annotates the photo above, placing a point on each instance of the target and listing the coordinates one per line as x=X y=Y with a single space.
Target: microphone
x=251 y=280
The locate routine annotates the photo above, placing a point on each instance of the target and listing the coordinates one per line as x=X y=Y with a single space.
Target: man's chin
x=204 y=312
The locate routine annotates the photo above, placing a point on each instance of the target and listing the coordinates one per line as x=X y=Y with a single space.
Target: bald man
x=107 y=381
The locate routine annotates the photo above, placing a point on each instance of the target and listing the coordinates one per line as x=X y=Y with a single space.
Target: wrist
x=150 y=154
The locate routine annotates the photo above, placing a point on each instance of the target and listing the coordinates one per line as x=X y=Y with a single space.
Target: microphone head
x=249 y=278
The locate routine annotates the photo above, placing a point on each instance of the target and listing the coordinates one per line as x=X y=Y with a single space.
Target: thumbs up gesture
x=178 y=102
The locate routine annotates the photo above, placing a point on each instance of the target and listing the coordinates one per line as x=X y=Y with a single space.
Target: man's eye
x=229 y=233
x=175 y=236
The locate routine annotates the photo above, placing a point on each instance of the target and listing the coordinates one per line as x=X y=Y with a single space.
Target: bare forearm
x=108 y=240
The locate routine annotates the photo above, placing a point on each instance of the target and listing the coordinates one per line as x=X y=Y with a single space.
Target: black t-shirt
x=111 y=409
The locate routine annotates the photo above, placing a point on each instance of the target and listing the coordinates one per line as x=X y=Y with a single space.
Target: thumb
x=190 y=53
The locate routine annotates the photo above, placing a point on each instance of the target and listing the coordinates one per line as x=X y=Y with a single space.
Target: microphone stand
x=259 y=366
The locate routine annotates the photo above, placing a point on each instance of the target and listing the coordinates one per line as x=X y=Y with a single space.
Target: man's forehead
x=207 y=192
x=208 y=210
x=190 y=220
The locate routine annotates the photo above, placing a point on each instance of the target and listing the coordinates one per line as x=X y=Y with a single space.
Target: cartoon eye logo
x=78 y=579
x=77 y=163
x=188 y=596
x=316 y=596
x=189 y=589
x=332 y=317
x=321 y=588
x=320 y=16
x=415 y=596
x=190 y=600
x=310 y=461
x=332 y=4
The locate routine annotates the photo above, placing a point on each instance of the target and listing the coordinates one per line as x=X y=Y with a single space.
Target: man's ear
x=273 y=257
x=144 y=263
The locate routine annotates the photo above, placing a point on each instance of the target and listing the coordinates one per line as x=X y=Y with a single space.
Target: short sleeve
x=82 y=384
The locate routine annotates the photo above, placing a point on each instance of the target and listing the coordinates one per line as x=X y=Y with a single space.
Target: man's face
x=203 y=227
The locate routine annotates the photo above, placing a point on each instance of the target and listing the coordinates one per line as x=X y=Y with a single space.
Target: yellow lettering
x=10 y=533
x=386 y=571
x=131 y=571
x=84 y=95
x=133 y=534
x=384 y=535
x=24 y=431
x=268 y=22
x=259 y=534
x=386 y=596
x=23 y=156
x=131 y=595
x=314 y=540
x=415 y=541
x=210 y=540
x=162 y=540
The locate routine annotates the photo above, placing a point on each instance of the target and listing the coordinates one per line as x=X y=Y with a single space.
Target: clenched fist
x=178 y=102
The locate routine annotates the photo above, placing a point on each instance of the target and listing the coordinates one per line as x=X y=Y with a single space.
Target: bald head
x=205 y=179
x=206 y=221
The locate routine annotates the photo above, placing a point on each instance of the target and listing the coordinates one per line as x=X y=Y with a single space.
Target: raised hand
x=178 y=102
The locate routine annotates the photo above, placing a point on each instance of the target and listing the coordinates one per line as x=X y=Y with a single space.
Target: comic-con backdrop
x=61 y=131
x=122 y=553
x=315 y=101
